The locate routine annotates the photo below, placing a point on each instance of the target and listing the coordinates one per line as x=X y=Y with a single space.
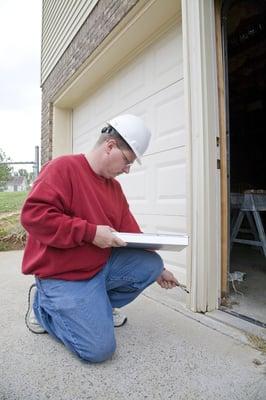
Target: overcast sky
x=20 y=93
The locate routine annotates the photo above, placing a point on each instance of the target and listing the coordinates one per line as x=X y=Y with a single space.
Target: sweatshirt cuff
x=90 y=233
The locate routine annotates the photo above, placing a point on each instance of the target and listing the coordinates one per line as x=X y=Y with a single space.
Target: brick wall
x=104 y=17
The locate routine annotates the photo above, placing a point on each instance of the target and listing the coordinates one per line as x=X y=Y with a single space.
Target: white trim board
x=201 y=97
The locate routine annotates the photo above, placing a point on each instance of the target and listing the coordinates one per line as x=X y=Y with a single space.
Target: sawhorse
x=250 y=206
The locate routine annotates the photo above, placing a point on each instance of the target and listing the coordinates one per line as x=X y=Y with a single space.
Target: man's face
x=119 y=160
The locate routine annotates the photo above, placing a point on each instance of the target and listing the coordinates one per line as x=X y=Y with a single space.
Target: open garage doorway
x=244 y=36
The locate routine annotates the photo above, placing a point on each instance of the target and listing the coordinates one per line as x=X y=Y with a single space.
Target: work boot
x=30 y=319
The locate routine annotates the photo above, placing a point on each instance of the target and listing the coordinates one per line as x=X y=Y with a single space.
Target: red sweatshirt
x=66 y=203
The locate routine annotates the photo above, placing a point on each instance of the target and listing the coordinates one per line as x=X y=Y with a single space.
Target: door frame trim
x=202 y=126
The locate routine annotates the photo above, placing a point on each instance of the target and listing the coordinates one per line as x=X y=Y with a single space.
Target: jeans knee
x=156 y=265
x=99 y=352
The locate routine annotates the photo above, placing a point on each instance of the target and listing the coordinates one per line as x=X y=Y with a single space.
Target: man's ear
x=109 y=145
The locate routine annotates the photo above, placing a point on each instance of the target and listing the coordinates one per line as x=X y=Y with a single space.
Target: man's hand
x=167 y=280
x=104 y=238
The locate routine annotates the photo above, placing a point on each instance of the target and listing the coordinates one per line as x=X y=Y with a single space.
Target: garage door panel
x=169 y=114
x=156 y=67
x=103 y=101
x=163 y=181
x=164 y=114
x=162 y=223
x=165 y=110
x=170 y=180
x=136 y=188
x=169 y=172
x=168 y=58
x=137 y=76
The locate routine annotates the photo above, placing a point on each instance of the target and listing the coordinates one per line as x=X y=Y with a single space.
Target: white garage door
x=150 y=86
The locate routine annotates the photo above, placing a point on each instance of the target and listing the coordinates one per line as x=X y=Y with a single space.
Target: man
x=82 y=270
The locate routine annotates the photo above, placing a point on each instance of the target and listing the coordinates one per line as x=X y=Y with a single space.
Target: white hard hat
x=133 y=131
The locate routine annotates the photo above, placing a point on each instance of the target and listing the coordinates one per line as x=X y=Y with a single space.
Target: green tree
x=5 y=170
x=28 y=175
x=23 y=172
x=32 y=176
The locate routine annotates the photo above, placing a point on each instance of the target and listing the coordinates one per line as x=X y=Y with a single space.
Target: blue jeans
x=79 y=313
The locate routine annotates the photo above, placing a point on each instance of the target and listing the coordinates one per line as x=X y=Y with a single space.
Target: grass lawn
x=11 y=201
x=12 y=234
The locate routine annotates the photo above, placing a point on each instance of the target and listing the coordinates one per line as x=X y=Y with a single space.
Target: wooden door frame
x=221 y=78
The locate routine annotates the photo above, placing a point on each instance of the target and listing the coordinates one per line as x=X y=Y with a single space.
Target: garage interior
x=244 y=30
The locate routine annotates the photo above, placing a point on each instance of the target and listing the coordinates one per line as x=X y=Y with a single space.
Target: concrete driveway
x=161 y=354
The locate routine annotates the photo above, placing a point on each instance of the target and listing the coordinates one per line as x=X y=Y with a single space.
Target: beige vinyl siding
x=61 y=20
